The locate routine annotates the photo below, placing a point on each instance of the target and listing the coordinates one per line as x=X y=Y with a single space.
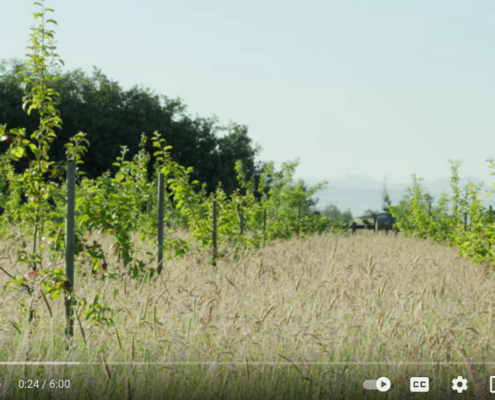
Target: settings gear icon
x=459 y=384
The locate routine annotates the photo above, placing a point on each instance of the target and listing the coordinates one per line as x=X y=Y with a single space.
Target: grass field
x=306 y=318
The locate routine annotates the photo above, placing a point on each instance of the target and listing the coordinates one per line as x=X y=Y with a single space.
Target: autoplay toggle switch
x=382 y=384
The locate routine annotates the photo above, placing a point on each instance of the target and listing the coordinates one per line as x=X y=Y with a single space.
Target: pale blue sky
x=382 y=88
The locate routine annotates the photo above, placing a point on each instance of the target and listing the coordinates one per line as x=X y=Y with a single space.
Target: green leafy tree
x=39 y=183
x=334 y=214
x=114 y=117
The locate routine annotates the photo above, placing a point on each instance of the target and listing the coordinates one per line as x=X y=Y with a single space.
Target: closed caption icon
x=420 y=384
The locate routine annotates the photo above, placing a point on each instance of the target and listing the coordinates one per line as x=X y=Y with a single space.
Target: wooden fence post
x=160 y=221
x=264 y=226
x=241 y=221
x=214 y=233
x=490 y=219
x=298 y=218
x=465 y=221
x=429 y=208
x=70 y=245
x=264 y=220
x=375 y=224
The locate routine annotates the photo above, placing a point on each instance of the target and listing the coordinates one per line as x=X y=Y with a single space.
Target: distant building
x=384 y=220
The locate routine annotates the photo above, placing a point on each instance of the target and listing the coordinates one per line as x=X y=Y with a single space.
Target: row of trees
x=114 y=117
x=121 y=201
x=336 y=215
x=444 y=219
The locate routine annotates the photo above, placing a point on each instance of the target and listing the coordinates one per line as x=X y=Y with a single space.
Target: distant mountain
x=357 y=181
x=352 y=181
x=359 y=193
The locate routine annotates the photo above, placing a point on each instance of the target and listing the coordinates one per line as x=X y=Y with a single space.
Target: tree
x=113 y=117
x=334 y=214
x=386 y=201
x=347 y=217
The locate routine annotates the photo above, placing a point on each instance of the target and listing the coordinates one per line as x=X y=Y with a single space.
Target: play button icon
x=383 y=384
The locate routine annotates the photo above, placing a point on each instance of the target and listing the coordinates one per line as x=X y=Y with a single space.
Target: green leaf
x=18 y=152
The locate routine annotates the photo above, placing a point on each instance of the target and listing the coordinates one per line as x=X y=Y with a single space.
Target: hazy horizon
x=360 y=193
x=384 y=89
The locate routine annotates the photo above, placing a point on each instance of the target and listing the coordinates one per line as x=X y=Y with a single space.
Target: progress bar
x=242 y=363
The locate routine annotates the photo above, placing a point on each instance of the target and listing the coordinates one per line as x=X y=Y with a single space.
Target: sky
x=382 y=89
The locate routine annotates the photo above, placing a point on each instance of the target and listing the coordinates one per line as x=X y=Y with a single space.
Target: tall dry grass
x=330 y=311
